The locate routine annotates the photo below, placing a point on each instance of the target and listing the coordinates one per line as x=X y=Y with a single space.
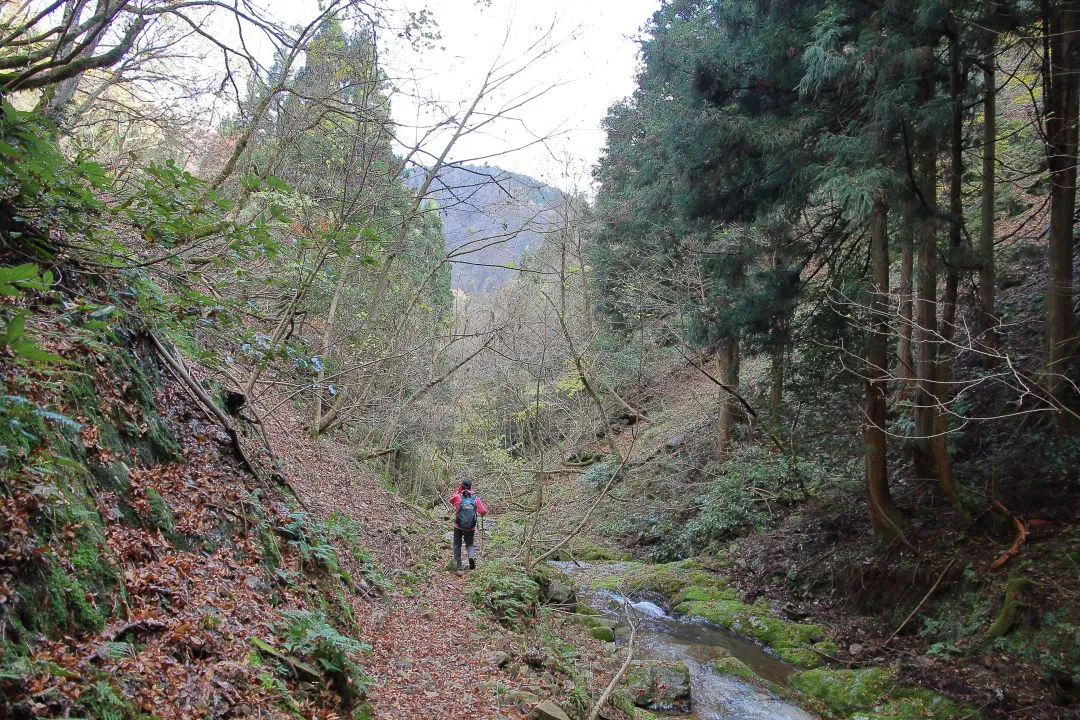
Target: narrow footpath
x=432 y=657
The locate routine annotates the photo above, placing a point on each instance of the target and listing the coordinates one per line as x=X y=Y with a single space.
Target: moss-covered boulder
x=670 y=579
x=872 y=693
x=659 y=686
x=556 y=587
x=845 y=691
x=602 y=633
x=801 y=644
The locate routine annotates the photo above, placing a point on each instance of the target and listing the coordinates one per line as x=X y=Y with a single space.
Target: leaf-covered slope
x=139 y=561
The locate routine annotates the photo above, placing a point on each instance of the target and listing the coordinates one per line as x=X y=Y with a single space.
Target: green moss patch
x=602 y=633
x=871 y=693
x=736 y=668
x=668 y=579
x=796 y=643
x=695 y=590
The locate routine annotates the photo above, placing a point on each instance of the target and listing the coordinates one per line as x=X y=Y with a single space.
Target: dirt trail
x=431 y=656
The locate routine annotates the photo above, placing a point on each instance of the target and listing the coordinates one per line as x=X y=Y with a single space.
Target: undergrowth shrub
x=506 y=589
x=747 y=491
x=309 y=635
x=598 y=474
x=310 y=538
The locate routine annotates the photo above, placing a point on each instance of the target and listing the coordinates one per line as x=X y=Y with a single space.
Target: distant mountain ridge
x=491 y=219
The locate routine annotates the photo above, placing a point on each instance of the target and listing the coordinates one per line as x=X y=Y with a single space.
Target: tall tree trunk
x=905 y=362
x=926 y=292
x=931 y=452
x=56 y=100
x=727 y=369
x=777 y=359
x=1062 y=83
x=781 y=336
x=987 y=269
x=884 y=517
x=327 y=341
x=954 y=257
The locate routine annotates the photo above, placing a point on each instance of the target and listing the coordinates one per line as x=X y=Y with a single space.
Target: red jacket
x=455 y=500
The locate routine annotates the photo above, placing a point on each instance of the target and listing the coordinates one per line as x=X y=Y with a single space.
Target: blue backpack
x=466 y=512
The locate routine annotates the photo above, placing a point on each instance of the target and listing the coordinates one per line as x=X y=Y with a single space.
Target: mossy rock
x=589 y=621
x=114 y=477
x=871 y=694
x=55 y=602
x=80 y=392
x=669 y=579
x=792 y=642
x=602 y=633
x=734 y=667
x=659 y=686
x=581 y=549
x=586 y=609
x=158 y=443
x=711 y=593
x=845 y=691
x=623 y=702
x=161 y=516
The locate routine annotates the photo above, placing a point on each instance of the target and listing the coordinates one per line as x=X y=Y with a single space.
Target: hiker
x=467 y=506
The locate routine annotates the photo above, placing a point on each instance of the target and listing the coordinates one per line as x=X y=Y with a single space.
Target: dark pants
x=470 y=549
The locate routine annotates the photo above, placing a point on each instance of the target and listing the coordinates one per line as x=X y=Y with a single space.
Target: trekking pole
x=481 y=553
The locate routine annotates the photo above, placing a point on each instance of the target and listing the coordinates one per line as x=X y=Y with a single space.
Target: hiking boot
x=459 y=566
x=472 y=563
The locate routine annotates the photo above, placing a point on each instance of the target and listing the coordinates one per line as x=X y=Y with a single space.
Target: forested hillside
x=492 y=219
x=779 y=420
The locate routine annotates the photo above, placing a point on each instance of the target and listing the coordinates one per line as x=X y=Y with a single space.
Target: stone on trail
x=548 y=710
x=497 y=659
x=522 y=699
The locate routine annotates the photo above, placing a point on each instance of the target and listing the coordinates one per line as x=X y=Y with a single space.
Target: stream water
x=714 y=696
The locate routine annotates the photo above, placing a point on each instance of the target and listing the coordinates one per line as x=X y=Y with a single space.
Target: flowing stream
x=714 y=696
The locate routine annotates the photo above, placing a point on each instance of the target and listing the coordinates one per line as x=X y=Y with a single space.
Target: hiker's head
x=466 y=484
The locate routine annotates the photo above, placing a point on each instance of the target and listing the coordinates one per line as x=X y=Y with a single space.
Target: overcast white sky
x=593 y=66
